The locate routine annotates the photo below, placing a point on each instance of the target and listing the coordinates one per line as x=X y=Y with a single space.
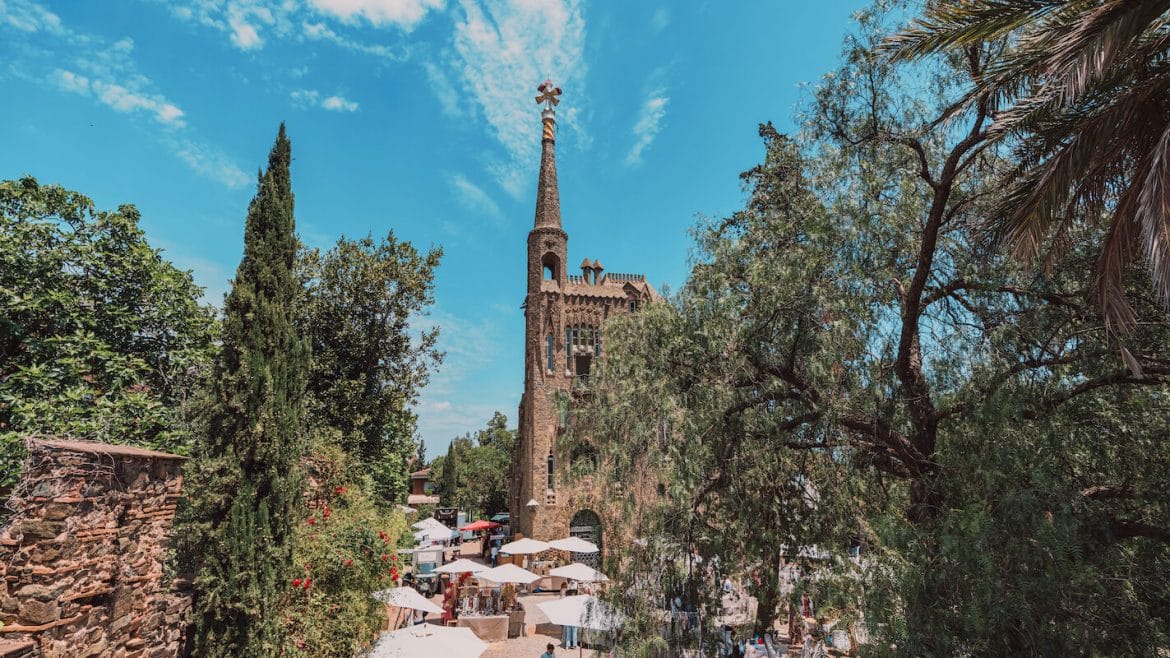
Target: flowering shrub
x=345 y=551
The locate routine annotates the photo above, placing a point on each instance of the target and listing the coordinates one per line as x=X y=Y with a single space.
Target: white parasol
x=462 y=566
x=429 y=522
x=407 y=597
x=580 y=572
x=508 y=573
x=583 y=611
x=574 y=545
x=524 y=547
x=428 y=640
x=433 y=535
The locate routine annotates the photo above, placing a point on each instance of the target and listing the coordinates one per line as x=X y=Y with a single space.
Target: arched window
x=552 y=266
x=550 y=470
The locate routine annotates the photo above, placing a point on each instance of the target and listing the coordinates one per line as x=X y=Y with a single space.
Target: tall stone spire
x=548 y=199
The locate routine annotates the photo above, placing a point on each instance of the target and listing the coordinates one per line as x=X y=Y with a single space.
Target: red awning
x=480 y=525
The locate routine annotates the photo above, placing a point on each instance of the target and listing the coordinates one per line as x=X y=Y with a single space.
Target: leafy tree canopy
x=101 y=338
x=368 y=366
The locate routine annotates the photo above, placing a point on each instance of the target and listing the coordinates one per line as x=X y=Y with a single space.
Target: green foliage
x=478 y=481
x=1079 y=90
x=345 y=551
x=245 y=484
x=848 y=361
x=100 y=337
x=367 y=368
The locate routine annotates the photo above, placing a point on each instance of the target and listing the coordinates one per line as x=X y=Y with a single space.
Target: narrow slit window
x=549 y=360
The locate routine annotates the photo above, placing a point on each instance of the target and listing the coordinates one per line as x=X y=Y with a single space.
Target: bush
x=345 y=551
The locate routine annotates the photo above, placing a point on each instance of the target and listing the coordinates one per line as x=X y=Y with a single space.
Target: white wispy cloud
x=660 y=19
x=250 y=24
x=445 y=408
x=650 y=121
x=503 y=49
x=472 y=197
x=318 y=31
x=45 y=50
x=443 y=89
x=243 y=33
x=209 y=162
x=305 y=98
x=339 y=104
x=29 y=17
x=404 y=14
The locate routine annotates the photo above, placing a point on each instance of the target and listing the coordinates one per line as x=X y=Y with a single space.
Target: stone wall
x=82 y=559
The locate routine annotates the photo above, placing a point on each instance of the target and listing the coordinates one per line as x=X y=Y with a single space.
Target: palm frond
x=948 y=25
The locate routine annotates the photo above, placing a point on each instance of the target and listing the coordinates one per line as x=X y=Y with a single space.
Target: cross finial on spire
x=548 y=94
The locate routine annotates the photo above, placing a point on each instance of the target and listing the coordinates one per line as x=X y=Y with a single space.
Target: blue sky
x=416 y=115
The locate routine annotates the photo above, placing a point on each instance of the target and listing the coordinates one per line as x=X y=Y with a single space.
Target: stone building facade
x=564 y=314
x=82 y=558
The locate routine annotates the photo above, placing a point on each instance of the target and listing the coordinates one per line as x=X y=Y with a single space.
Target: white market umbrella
x=583 y=611
x=579 y=572
x=428 y=640
x=433 y=535
x=430 y=522
x=508 y=573
x=524 y=547
x=462 y=566
x=574 y=545
x=407 y=597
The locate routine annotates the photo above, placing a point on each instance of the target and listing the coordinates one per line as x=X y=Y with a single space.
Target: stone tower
x=563 y=317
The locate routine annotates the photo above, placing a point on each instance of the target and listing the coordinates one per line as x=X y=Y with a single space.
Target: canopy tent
x=480 y=525
x=580 y=572
x=462 y=566
x=428 y=640
x=524 y=547
x=429 y=522
x=583 y=611
x=406 y=597
x=433 y=535
x=574 y=545
x=508 y=573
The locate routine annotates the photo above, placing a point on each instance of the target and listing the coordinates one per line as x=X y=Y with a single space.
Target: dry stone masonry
x=82 y=559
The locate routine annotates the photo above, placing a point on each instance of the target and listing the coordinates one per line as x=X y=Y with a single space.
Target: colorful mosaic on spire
x=548 y=97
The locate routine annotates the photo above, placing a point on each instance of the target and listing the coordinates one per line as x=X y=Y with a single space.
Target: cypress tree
x=245 y=484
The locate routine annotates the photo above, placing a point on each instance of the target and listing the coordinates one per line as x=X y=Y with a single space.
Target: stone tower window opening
x=551 y=266
x=548 y=363
x=587 y=525
x=551 y=464
x=582 y=345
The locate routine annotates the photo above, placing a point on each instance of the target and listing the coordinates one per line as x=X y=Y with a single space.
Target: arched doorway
x=587 y=525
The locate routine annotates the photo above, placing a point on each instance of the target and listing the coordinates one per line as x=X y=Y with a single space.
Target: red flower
x=312 y=520
x=349 y=563
x=308 y=581
x=326 y=513
x=296 y=582
x=385 y=557
x=393 y=558
x=339 y=490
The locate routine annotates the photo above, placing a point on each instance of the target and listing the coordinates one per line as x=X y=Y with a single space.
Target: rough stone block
x=36 y=612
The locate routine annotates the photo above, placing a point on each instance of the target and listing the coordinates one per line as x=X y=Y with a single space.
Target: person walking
x=549 y=651
x=495 y=554
x=569 y=637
